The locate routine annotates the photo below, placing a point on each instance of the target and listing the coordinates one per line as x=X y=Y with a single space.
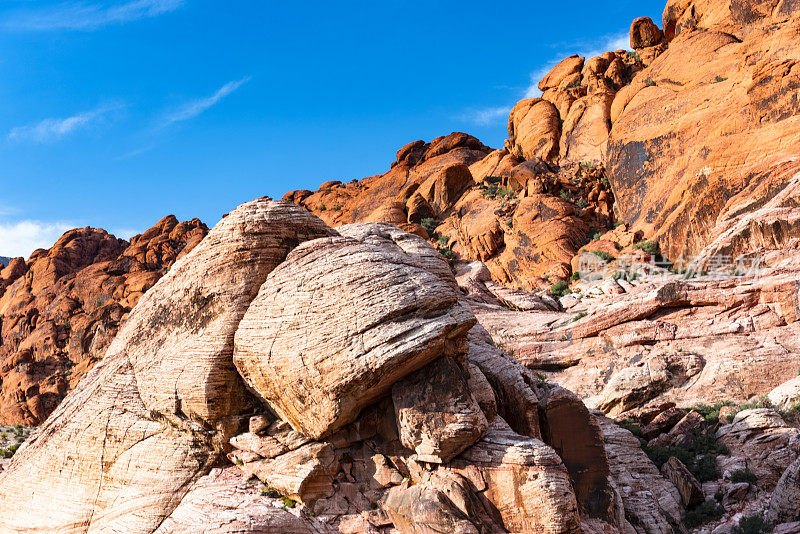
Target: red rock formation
x=60 y=310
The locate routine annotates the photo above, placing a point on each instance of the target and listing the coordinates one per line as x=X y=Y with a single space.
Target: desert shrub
x=596 y=236
x=631 y=426
x=322 y=207
x=559 y=289
x=651 y=247
x=505 y=193
x=578 y=317
x=490 y=191
x=634 y=56
x=575 y=276
x=581 y=203
x=430 y=224
x=565 y=195
x=289 y=503
x=271 y=493
x=337 y=207
x=705 y=468
x=447 y=253
x=659 y=455
x=711 y=413
x=587 y=165
x=703 y=513
x=744 y=475
x=754 y=524
x=650 y=82
x=442 y=240
x=603 y=255
x=720 y=79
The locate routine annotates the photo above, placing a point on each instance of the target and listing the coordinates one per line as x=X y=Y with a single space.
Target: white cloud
x=53 y=129
x=88 y=16
x=196 y=107
x=23 y=237
x=486 y=116
x=617 y=41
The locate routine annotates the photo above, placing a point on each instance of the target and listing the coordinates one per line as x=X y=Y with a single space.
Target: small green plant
x=618 y=224
x=322 y=207
x=703 y=513
x=447 y=253
x=744 y=475
x=560 y=288
x=575 y=276
x=490 y=191
x=596 y=236
x=581 y=203
x=540 y=377
x=239 y=462
x=442 y=240
x=578 y=317
x=574 y=85
x=720 y=79
x=430 y=224
x=505 y=193
x=650 y=82
x=649 y=246
x=566 y=195
x=631 y=426
x=634 y=56
x=269 y=492
x=603 y=255
x=337 y=207
x=289 y=503
x=588 y=165
x=754 y=524
x=705 y=468
x=605 y=182
x=711 y=413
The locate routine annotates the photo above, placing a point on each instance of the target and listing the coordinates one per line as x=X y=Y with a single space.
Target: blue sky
x=116 y=113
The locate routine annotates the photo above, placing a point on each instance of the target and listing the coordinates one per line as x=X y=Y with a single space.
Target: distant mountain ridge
x=4 y=261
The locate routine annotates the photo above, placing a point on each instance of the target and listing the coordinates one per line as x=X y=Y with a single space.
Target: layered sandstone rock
x=392 y=391
x=318 y=367
x=122 y=450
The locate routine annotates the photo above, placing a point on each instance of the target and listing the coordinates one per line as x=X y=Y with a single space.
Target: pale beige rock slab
x=124 y=447
x=436 y=413
x=318 y=365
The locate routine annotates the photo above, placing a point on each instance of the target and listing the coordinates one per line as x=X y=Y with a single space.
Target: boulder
x=421 y=509
x=318 y=367
x=644 y=33
x=533 y=129
x=436 y=413
x=783 y=503
x=565 y=69
x=688 y=486
x=524 y=479
x=786 y=395
x=444 y=187
x=126 y=445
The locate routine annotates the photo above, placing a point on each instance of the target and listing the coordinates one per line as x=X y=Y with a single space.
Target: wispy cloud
x=53 y=129
x=194 y=108
x=486 y=116
x=23 y=237
x=587 y=49
x=87 y=16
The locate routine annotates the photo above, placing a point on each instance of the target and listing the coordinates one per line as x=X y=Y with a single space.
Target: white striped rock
x=340 y=321
x=123 y=448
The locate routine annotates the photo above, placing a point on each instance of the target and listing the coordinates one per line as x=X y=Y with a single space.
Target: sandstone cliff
x=60 y=310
